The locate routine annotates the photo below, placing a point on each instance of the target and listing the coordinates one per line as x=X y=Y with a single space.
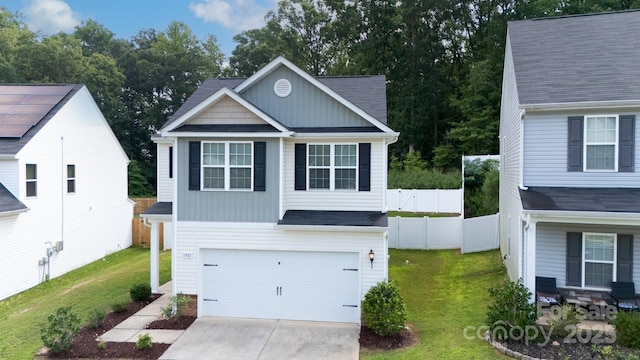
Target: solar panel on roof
x=24 y=106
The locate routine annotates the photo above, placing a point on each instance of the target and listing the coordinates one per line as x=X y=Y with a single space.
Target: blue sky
x=222 y=18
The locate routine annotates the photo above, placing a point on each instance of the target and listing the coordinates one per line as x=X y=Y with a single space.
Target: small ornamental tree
x=384 y=310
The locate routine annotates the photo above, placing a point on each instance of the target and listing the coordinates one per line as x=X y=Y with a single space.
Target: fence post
x=426 y=232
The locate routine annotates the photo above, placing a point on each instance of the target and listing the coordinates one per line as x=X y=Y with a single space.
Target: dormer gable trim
x=182 y=120
x=281 y=61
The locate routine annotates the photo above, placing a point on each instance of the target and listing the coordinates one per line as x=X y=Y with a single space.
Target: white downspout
x=523 y=112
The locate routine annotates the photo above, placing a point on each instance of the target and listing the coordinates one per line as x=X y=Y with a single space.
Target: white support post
x=529 y=277
x=155 y=257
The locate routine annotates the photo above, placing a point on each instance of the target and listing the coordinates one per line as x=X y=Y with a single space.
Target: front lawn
x=444 y=292
x=94 y=286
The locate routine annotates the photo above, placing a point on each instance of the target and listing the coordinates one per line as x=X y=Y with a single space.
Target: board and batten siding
x=306 y=106
x=93 y=222
x=339 y=200
x=9 y=176
x=202 y=235
x=545 y=155
x=235 y=206
x=225 y=111
x=551 y=247
x=510 y=137
x=165 y=183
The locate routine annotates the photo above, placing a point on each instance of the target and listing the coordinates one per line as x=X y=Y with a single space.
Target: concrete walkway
x=265 y=339
x=131 y=328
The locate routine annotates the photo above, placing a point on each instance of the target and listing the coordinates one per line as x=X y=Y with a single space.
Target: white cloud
x=51 y=16
x=233 y=14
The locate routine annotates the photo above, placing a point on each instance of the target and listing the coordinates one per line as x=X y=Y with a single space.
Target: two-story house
x=569 y=183
x=63 y=184
x=273 y=191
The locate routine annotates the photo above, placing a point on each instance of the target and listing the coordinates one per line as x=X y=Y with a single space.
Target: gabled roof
x=17 y=98
x=615 y=200
x=577 y=59
x=365 y=95
x=9 y=203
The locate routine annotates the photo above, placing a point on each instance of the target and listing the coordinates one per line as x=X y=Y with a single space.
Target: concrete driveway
x=265 y=339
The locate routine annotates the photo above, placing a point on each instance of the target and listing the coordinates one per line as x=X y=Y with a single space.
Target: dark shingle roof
x=12 y=146
x=8 y=202
x=583 y=58
x=366 y=92
x=334 y=218
x=581 y=199
x=159 y=208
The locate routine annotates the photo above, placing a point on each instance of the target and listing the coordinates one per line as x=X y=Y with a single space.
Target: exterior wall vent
x=282 y=88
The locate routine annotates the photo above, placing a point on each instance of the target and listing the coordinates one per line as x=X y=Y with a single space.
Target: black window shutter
x=301 y=167
x=625 y=258
x=259 y=165
x=364 y=167
x=170 y=162
x=194 y=165
x=574 y=259
x=626 y=143
x=574 y=157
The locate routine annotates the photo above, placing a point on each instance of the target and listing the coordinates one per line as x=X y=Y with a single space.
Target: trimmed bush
x=383 y=310
x=627 y=329
x=60 y=330
x=120 y=306
x=511 y=310
x=144 y=341
x=179 y=303
x=95 y=318
x=140 y=292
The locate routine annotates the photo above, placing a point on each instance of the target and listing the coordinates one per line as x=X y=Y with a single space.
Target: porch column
x=529 y=276
x=155 y=258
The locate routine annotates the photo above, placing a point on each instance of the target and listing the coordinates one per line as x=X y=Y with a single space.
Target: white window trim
x=615 y=143
x=332 y=167
x=227 y=166
x=614 y=263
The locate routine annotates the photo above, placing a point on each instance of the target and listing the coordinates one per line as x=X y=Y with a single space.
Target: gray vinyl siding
x=229 y=206
x=510 y=205
x=551 y=247
x=306 y=106
x=545 y=154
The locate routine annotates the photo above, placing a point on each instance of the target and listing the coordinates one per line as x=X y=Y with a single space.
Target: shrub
x=140 y=292
x=60 y=330
x=383 y=309
x=120 y=306
x=563 y=321
x=627 y=329
x=101 y=343
x=176 y=306
x=511 y=309
x=144 y=341
x=95 y=318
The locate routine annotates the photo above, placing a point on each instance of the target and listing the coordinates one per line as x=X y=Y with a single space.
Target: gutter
x=583 y=105
x=13 y=212
x=354 y=228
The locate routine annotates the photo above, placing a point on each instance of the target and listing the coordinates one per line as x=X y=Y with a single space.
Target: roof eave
x=592 y=217
x=13 y=212
x=189 y=134
x=340 y=228
x=583 y=105
x=302 y=135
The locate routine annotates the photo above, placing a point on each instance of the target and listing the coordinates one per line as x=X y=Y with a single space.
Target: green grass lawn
x=94 y=286
x=444 y=292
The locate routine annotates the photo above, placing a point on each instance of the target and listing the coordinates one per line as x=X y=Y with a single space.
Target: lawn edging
x=505 y=350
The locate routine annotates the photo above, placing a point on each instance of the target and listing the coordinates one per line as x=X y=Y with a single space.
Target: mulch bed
x=369 y=340
x=189 y=315
x=558 y=349
x=86 y=346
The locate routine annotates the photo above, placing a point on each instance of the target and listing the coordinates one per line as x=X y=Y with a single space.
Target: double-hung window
x=227 y=165
x=71 y=178
x=332 y=166
x=599 y=259
x=601 y=143
x=32 y=180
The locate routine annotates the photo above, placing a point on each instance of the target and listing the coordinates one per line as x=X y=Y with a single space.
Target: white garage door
x=316 y=286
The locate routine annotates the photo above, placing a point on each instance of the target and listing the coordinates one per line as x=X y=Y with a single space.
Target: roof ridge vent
x=282 y=88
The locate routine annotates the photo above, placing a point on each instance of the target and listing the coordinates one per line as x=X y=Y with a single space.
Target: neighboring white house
x=63 y=184
x=569 y=177
x=275 y=187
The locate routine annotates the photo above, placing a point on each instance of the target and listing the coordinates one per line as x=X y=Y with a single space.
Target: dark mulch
x=189 y=315
x=86 y=346
x=405 y=338
x=558 y=349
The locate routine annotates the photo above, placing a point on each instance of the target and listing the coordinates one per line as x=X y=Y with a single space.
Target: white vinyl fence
x=434 y=200
x=468 y=235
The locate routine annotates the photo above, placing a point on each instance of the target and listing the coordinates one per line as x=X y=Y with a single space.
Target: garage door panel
x=320 y=286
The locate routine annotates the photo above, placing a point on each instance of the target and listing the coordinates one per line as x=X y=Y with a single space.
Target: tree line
x=443 y=61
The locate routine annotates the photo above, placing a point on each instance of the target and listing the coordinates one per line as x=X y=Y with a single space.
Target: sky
x=222 y=18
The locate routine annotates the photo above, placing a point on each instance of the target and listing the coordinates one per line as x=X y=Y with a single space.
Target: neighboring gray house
x=272 y=190
x=569 y=177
